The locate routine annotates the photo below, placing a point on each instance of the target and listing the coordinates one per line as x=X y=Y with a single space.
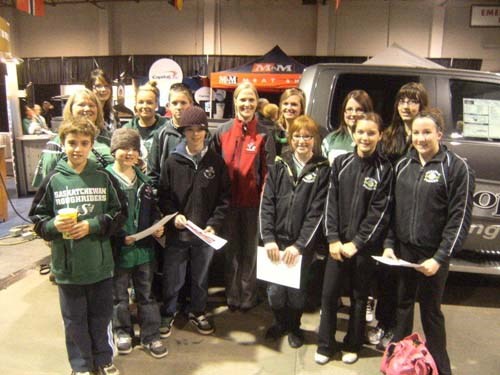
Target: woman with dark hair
x=289 y=227
x=102 y=86
x=396 y=139
x=292 y=105
x=82 y=103
x=340 y=141
x=410 y=99
x=433 y=211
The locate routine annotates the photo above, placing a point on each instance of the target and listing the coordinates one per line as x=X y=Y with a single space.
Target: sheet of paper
x=395 y=262
x=278 y=273
x=153 y=228
x=211 y=239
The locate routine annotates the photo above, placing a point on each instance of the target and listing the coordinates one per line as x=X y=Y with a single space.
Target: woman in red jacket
x=247 y=147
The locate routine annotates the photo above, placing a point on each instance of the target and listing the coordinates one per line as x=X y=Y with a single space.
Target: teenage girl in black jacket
x=433 y=209
x=290 y=215
x=356 y=218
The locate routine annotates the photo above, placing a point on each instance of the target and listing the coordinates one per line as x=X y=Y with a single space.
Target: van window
x=381 y=88
x=475 y=109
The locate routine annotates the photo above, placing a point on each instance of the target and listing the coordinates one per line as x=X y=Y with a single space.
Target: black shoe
x=274 y=333
x=233 y=308
x=296 y=339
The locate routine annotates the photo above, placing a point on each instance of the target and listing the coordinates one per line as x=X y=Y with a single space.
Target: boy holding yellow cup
x=78 y=206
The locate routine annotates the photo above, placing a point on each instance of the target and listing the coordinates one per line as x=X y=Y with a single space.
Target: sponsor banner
x=271 y=82
x=165 y=72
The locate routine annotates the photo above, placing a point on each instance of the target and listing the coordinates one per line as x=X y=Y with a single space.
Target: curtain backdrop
x=72 y=70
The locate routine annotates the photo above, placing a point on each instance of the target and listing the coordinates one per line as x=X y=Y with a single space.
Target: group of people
x=362 y=190
x=37 y=119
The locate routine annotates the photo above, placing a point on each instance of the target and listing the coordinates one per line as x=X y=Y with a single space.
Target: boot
x=278 y=329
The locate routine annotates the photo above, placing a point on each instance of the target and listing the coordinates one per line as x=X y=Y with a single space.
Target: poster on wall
x=165 y=72
x=481 y=118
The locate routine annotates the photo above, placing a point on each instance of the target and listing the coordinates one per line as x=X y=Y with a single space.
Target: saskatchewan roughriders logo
x=209 y=173
x=309 y=178
x=370 y=183
x=432 y=176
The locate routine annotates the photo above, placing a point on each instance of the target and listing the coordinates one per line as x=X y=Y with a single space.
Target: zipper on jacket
x=415 y=205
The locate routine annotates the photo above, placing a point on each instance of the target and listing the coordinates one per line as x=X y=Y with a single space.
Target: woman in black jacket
x=356 y=218
x=290 y=214
x=429 y=227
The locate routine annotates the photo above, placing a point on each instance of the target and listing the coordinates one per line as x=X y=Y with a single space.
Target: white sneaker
x=374 y=335
x=321 y=359
x=349 y=358
x=370 y=308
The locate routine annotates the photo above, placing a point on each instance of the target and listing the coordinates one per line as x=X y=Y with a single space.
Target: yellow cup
x=68 y=213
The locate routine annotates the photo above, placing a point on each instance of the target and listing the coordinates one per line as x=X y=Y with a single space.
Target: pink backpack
x=408 y=357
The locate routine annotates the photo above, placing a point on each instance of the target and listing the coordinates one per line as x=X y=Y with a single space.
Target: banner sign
x=485 y=16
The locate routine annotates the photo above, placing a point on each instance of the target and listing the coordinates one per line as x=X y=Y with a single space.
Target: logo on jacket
x=370 y=183
x=310 y=177
x=251 y=147
x=209 y=173
x=432 y=176
x=86 y=208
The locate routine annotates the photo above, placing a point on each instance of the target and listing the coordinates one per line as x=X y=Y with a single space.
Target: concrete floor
x=32 y=337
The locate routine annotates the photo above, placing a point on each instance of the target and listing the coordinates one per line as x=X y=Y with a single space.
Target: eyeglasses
x=101 y=87
x=357 y=111
x=410 y=102
x=297 y=137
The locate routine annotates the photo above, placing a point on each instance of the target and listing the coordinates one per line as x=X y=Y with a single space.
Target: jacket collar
x=438 y=158
x=251 y=126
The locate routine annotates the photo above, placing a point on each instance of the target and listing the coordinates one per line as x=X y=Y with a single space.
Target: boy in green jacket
x=82 y=260
x=134 y=259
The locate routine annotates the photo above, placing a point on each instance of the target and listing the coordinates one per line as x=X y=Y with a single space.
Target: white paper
x=277 y=273
x=211 y=239
x=395 y=262
x=153 y=228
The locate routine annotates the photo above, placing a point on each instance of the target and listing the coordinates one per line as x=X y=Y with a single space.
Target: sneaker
x=123 y=343
x=370 y=308
x=81 y=373
x=349 y=357
x=385 y=340
x=374 y=335
x=166 y=326
x=156 y=349
x=321 y=359
x=201 y=323
x=108 y=370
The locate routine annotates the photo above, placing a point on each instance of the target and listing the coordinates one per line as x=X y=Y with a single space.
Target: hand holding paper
x=153 y=228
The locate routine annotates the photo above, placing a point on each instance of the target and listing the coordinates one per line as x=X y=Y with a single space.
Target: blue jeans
x=148 y=312
x=87 y=312
x=175 y=260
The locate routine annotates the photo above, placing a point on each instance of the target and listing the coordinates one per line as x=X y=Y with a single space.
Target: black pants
x=430 y=291
x=241 y=257
x=359 y=271
x=87 y=312
x=387 y=296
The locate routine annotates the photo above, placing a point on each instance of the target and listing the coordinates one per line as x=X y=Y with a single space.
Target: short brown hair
x=435 y=115
x=79 y=125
